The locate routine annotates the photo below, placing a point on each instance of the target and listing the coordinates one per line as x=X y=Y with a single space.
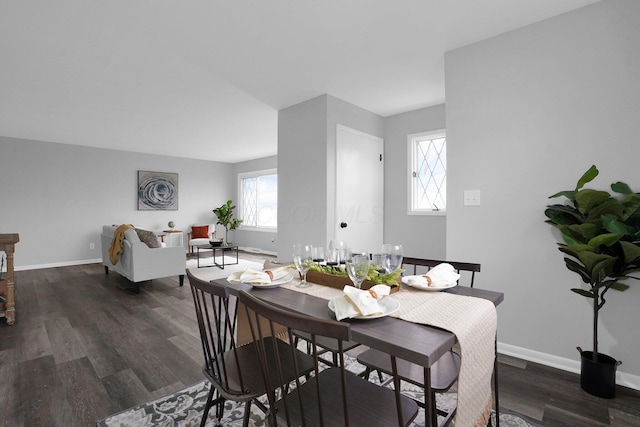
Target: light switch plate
x=472 y=197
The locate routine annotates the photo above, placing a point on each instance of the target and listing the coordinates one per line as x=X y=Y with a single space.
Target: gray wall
x=302 y=175
x=527 y=113
x=306 y=167
x=422 y=236
x=58 y=197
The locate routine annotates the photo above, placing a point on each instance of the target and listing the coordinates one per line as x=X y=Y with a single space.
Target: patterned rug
x=209 y=272
x=185 y=408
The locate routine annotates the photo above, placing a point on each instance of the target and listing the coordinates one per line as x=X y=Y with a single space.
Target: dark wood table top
x=417 y=343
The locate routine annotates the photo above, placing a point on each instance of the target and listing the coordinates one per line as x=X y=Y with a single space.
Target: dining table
x=419 y=343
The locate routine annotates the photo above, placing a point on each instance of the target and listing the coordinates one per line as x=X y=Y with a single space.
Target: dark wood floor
x=84 y=347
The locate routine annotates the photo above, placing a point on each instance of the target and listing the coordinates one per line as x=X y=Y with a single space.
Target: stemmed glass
x=303 y=258
x=333 y=257
x=392 y=257
x=318 y=254
x=357 y=268
x=354 y=252
x=342 y=249
x=377 y=260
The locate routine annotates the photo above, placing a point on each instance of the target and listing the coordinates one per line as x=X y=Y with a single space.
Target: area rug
x=184 y=409
x=213 y=272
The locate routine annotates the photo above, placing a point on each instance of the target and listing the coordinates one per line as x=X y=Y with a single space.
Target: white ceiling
x=205 y=79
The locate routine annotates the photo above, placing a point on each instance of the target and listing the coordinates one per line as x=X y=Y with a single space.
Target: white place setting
x=442 y=276
x=265 y=279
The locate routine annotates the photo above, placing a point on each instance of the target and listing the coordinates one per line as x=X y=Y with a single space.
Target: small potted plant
x=226 y=219
x=601 y=243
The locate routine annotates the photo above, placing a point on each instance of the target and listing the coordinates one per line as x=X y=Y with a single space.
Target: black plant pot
x=598 y=378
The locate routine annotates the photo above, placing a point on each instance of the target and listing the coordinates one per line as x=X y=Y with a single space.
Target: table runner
x=472 y=320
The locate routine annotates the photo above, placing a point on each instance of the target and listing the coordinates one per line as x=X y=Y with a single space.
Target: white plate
x=388 y=306
x=405 y=280
x=274 y=284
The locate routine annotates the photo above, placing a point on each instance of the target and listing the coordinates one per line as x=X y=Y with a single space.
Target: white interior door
x=359 y=189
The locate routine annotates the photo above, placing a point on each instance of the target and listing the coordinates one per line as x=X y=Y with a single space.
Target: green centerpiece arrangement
x=601 y=243
x=337 y=277
x=376 y=274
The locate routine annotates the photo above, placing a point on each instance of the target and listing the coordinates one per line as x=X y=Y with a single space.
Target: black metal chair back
x=421 y=265
x=231 y=370
x=329 y=396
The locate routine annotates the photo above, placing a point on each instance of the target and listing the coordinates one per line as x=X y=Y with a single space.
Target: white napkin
x=359 y=302
x=442 y=275
x=257 y=277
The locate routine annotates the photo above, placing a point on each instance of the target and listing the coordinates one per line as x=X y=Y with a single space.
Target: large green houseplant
x=226 y=219
x=601 y=243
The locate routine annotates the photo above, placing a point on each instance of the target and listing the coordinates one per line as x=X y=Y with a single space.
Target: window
x=258 y=199
x=428 y=173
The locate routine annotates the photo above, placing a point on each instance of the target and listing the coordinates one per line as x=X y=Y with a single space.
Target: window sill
x=427 y=213
x=260 y=229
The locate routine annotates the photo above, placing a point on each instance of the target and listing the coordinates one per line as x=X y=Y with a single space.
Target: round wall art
x=157 y=191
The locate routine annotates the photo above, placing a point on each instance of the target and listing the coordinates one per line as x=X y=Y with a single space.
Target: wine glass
x=354 y=252
x=303 y=258
x=333 y=257
x=342 y=249
x=358 y=269
x=318 y=254
x=377 y=260
x=392 y=257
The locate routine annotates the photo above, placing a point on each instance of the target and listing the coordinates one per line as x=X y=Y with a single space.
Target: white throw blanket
x=472 y=320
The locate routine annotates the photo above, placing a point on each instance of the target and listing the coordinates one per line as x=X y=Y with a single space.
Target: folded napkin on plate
x=257 y=277
x=442 y=275
x=359 y=302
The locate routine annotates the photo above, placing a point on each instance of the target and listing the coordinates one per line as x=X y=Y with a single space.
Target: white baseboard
x=569 y=365
x=257 y=250
x=57 y=264
x=91 y=261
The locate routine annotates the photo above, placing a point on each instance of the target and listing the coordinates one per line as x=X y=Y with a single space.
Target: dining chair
x=422 y=265
x=325 y=344
x=233 y=370
x=331 y=396
x=444 y=372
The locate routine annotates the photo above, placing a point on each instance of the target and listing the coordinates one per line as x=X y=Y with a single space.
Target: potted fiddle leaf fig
x=226 y=219
x=601 y=243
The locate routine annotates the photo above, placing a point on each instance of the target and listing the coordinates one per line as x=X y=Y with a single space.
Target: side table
x=174 y=237
x=7 y=286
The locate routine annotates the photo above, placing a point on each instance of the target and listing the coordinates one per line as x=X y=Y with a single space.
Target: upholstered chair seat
x=201 y=235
